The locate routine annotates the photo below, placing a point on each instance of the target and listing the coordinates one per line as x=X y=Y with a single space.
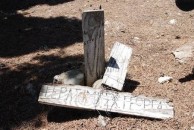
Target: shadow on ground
x=19 y=89
x=187 y=78
x=20 y=35
x=130 y=85
x=23 y=35
x=13 y=5
x=185 y=5
x=59 y=114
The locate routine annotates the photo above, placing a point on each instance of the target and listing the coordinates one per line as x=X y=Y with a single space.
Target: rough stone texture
x=74 y=77
x=98 y=84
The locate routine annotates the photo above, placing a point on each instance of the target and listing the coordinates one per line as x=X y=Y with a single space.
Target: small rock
x=73 y=77
x=172 y=21
x=98 y=84
x=164 y=79
x=136 y=39
x=192 y=127
x=103 y=121
x=184 y=52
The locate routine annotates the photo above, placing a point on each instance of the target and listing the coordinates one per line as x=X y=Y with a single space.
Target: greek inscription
x=63 y=93
x=154 y=102
x=147 y=103
x=103 y=100
x=109 y=69
x=49 y=92
x=139 y=101
x=69 y=97
x=106 y=100
x=55 y=93
x=115 y=100
x=132 y=102
x=159 y=105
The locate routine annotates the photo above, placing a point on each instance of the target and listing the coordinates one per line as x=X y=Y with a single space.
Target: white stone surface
x=173 y=21
x=98 y=84
x=72 y=77
x=164 y=79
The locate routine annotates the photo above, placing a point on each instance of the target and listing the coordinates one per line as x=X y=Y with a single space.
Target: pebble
x=173 y=21
x=103 y=121
x=136 y=39
x=164 y=79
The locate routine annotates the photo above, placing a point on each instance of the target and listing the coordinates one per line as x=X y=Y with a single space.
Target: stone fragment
x=164 y=79
x=103 y=121
x=98 y=84
x=72 y=77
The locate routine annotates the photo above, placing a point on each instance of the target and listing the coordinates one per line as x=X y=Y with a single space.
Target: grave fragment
x=117 y=66
x=71 y=95
x=83 y=97
x=70 y=77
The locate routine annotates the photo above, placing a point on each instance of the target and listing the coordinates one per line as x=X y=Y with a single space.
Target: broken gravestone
x=116 y=70
x=83 y=97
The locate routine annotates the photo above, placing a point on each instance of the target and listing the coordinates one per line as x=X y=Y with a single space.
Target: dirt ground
x=40 y=39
